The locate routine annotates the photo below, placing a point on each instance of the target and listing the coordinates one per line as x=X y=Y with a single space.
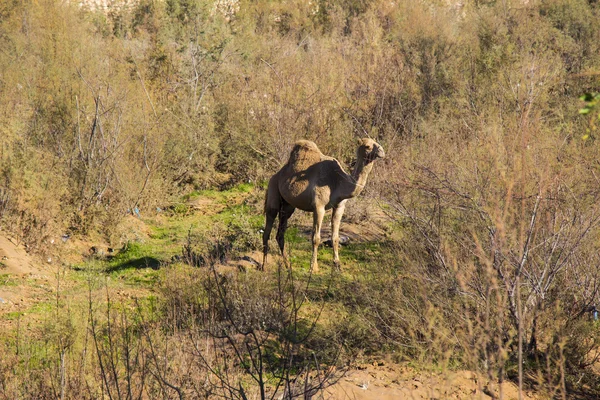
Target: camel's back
x=304 y=154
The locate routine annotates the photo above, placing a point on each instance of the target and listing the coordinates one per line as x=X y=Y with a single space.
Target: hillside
x=136 y=144
x=36 y=292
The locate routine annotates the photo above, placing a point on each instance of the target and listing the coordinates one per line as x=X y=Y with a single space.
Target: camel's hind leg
x=272 y=205
x=285 y=212
x=318 y=215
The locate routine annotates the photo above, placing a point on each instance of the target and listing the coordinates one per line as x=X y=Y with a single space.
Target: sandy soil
x=387 y=382
x=24 y=280
x=14 y=259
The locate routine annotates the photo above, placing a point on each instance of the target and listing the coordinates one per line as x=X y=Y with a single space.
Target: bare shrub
x=252 y=333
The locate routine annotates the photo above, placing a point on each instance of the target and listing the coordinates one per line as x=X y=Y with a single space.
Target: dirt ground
x=24 y=280
x=391 y=381
x=14 y=259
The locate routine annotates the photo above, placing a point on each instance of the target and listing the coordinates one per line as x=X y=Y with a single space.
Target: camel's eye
x=369 y=148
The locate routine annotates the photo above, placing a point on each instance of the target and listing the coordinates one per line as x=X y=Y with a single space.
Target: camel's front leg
x=316 y=237
x=336 y=219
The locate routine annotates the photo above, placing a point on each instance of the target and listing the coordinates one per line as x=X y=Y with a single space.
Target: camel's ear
x=360 y=142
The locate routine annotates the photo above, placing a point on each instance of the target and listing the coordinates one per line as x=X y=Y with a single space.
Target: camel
x=314 y=182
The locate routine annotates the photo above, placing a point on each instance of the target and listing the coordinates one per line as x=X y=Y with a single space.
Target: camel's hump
x=305 y=145
x=304 y=154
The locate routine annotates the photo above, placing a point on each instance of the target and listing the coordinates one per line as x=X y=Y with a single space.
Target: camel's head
x=370 y=150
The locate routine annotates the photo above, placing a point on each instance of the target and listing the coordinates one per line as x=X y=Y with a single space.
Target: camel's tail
x=266 y=199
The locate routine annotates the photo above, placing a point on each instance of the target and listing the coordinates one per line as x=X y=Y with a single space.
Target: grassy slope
x=137 y=276
x=137 y=269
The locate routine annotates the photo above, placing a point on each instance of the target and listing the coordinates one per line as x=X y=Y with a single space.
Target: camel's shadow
x=138 y=263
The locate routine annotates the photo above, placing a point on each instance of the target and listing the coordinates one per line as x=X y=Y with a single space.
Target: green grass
x=131 y=255
x=220 y=196
x=145 y=277
x=12 y=316
x=293 y=237
x=141 y=264
x=44 y=307
x=173 y=232
x=41 y=308
x=362 y=252
x=238 y=215
x=8 y=280
x=168 y=235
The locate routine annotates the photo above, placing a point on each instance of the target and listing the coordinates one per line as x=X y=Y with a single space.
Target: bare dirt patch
x=206 y=206
x=24 y=281
x=392 y=381
x=130 y=229
x=14 y=259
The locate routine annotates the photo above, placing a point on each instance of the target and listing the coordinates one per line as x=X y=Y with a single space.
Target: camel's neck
x=359 y=177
